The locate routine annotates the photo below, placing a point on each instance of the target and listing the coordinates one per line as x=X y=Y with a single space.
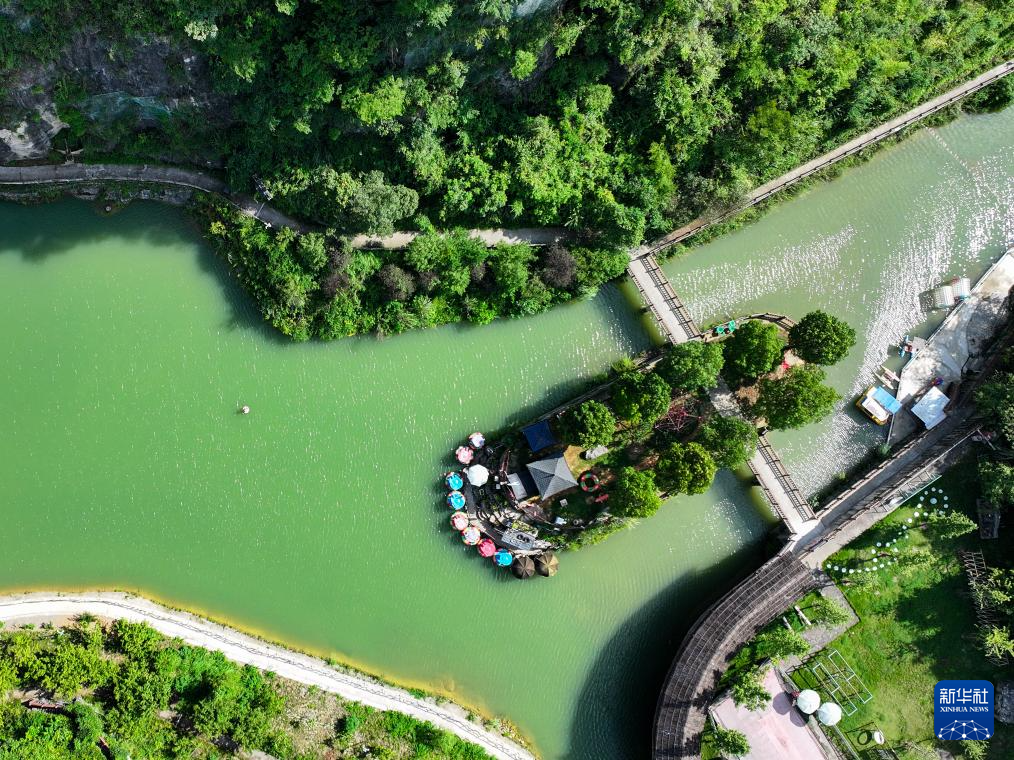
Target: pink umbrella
x=459 y=521
x=471 y=535
x=464 y=454
x=487 y=548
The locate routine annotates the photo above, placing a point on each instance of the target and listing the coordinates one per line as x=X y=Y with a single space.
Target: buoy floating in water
x=244 y=409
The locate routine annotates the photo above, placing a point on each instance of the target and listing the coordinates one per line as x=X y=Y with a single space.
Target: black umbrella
x=523 y=567
x=547 y=564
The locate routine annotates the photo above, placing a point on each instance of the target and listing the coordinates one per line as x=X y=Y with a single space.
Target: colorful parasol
x=471 y=535
x=487 y=548
x=459 y=521
x=456 y=500
x=464 y=454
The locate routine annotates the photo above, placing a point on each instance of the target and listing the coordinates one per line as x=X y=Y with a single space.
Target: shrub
x=826 y=611
x=780 y=643
x=685 y=468
x=589 y=425
x=950 y=524
x=730 y=742
x=821 y=338
x=692 y=366
x=749 y=692
x=798 y=398
x=752 y=351
x=635 y=494
x=730 y=440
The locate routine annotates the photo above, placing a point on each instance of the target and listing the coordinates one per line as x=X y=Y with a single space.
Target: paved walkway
x=781 y=491
x=239 y=647
x=671 y=315
x=850 y=148
x=956 y=345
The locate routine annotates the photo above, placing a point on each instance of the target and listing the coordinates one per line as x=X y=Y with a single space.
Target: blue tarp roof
x=886 y=400
x=539 y=436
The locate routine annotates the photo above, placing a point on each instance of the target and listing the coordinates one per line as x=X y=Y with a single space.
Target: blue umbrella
x=456 y=499
x=503 y=558
x=454 y=481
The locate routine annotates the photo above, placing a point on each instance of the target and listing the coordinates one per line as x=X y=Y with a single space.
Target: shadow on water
x=616 y=707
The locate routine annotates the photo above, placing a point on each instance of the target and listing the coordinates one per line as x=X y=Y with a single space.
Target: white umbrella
x=829 y=714
x=477 y=475
x=808 y=701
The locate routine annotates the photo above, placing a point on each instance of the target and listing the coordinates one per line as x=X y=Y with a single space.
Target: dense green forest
x=614 y=119
x=616 y=116
x=124 y=691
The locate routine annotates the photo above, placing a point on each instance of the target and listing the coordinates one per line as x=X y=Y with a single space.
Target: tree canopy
x=590 y=424
x=685 y=468
x=797 y=399
x=821 y=338
x=730 y=440
x=634 y=494
x=692 y=366
x=641 y=398
x=753 y=350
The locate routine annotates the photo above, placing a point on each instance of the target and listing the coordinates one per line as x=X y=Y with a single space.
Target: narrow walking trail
x=239 y=647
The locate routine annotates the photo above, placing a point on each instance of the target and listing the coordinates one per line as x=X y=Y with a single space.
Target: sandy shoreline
x=239 y=647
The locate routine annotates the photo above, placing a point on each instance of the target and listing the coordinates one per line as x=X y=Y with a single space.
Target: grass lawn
x=917 y=622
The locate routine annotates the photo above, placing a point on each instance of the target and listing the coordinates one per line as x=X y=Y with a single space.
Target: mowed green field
x=917 y=622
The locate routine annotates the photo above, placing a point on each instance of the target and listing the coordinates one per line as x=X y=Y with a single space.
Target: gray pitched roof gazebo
x=551 y=475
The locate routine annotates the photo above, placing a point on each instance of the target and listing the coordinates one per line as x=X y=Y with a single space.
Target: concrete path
x=850 y=148
x=956 y=345
x=37 y=607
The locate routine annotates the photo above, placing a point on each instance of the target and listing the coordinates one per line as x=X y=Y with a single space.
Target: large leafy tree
x=685 y=468
x=692 y=366
x=821 y=338
x=590 y=424
x=753 y=350
x=634 y=494
x=730 y=440
x=730 y=742
x=797 y=399
x=641 y=398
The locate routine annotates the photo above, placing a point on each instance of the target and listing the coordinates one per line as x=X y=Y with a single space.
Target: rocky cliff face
x=146 y=81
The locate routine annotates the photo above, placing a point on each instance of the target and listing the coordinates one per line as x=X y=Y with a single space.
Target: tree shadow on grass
x=616 y=707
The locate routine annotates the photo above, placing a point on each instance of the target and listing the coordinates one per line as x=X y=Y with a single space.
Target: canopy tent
x=547 y=564
x=829 y=713
x=539 y=436
x=808 y=701
x=930 y=408
x=459 y=521
x=551 y=475
x=523 y=567
x=456 y=500
x=454 y=481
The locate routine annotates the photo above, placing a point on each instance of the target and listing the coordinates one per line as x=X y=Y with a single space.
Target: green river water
x=317 y=519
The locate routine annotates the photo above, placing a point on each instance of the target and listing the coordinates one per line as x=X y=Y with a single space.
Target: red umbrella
x=487 y=548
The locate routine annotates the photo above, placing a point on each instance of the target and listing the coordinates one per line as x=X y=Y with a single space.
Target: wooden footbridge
x=676 y=324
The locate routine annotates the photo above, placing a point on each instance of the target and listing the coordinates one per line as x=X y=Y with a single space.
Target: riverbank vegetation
x=316 y=285
x=92 y=690
x=621 y=118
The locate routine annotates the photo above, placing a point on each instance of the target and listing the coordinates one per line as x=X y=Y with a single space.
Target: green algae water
x=127 y=350
x=867 y=247
x=318 y=518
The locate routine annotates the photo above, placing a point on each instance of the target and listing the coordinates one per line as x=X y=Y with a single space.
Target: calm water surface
x=126 y=350
x=317 y=518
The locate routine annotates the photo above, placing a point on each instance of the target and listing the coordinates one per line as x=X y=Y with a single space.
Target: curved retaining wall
x=717 y=635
